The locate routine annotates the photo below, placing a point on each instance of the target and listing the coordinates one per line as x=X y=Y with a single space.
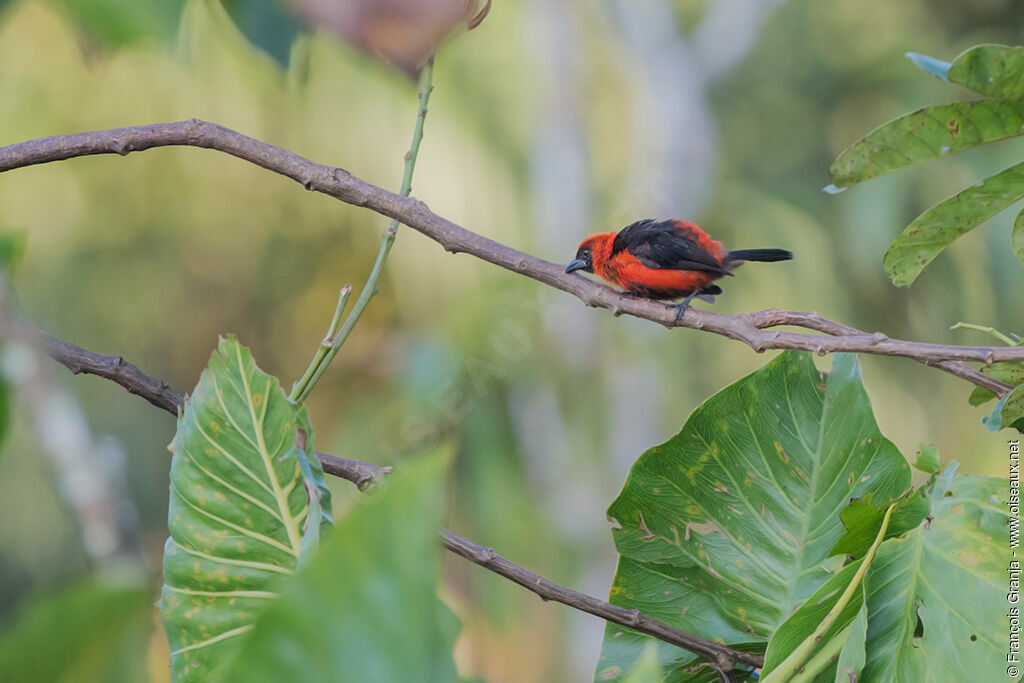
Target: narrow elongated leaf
x=802 y=623
x=366 y=608
x=238 y=510
x=810 y=641
x=853 y=656
x=1017 y=237
x=992 y=70
x=936 y=228
x=1011 y=372
x=725 y=526
x=926 y=134
x=950 y=574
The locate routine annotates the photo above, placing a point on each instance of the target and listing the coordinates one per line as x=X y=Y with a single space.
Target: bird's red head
x=593 y=251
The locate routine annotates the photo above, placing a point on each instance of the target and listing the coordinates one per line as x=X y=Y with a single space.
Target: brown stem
x=722 y=657
x=750 y=328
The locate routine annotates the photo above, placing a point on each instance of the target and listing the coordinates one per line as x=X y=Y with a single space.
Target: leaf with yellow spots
x=728 y=550
x=926 y=134
x=240 y=508
x=936 y=228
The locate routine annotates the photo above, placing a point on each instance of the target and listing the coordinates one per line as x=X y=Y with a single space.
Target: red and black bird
x=664 y=259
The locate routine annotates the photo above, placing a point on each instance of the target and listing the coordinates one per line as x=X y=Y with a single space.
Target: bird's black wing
x=659 y=244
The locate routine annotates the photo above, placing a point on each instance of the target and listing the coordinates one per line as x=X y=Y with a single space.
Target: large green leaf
x=926 y=134
x=992 y=70
x=724 y=528
x=366 y=608
x=239 y=509
x=92 y=632
x=936 y=228
x=950 y=573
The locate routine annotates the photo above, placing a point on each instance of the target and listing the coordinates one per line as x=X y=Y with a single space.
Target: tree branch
x=365 y=474
x=159 y=393
x=752 y=329
x=719 y=655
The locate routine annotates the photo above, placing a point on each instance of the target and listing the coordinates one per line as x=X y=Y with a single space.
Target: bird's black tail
x=767 y=255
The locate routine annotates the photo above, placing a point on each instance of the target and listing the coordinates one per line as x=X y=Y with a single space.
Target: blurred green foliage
x=94 y=631
x=154 y=255
x=365 y=608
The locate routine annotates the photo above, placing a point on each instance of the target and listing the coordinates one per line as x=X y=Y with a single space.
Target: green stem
x=317 y=369
x=822 y=658
x=300 y=390
x=990 y=330
x=370 y=289
x=793 y=663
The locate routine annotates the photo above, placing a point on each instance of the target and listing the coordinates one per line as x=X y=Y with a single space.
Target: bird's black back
x=663 y=245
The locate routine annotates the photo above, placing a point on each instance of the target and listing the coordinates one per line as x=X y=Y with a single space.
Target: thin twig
x=990 y=330
x=323 y=355
x=365 y=474
x=750 y=328
x=387 y=240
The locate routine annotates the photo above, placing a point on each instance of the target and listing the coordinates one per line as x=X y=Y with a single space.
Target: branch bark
x=160 y=394
x=753 y=329
x=366 y=474
x=722 y=657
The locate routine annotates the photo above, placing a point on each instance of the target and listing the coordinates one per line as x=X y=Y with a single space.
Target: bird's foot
x=683 y=307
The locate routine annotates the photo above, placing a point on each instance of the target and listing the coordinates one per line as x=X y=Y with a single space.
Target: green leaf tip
x=936 y=67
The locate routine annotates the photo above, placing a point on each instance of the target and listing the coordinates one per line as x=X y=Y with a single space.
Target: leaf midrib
x=257 y=424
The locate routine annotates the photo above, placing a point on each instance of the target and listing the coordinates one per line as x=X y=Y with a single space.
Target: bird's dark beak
x=576 y=264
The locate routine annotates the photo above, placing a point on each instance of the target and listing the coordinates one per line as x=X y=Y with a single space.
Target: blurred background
x=553 y=119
